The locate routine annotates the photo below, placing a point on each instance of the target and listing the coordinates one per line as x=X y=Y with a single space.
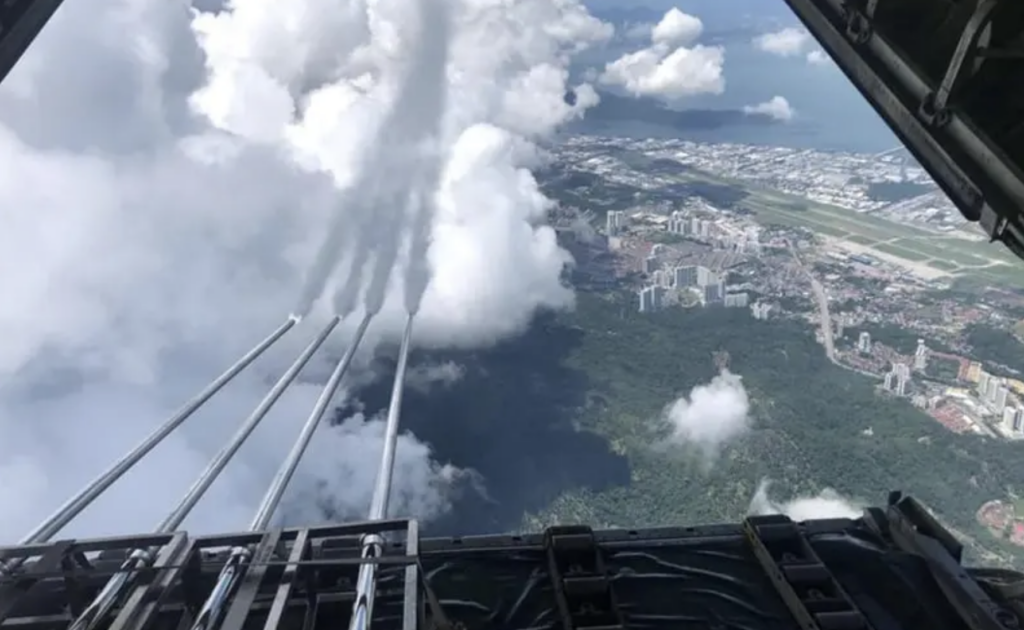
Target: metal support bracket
x=20 y=23
x=934 y=109
x=70 y=565
x=154 y=585
x=413 y=576
x=287 y=583
x=248 y=586
x=807 y=587
x=582 y=589
x=916 y=531
x=16 y=586
x=857 y=16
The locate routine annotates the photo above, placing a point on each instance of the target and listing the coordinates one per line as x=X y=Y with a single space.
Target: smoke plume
x=176 y=179
x=710 y=416
x=396 y=172
x=433 y=157
x=826 y=504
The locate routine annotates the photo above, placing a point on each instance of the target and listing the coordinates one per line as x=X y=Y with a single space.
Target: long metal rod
x=209 y=615
x=74 y=506
x=382 y=493
x=373 y=545
x=284 y=475
x=102 y=604
x=221 y=459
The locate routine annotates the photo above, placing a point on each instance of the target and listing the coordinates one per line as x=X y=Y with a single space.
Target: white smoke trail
x=417 y=118
x=375 y=207
x=418 y=270
x=327 y=258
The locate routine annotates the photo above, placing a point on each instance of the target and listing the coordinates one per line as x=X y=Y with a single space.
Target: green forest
x=1002 y=349
x=810 y=422
x=559 y=424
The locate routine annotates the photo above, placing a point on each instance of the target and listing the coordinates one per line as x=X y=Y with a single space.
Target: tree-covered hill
x=605 y=371
x=815 y=424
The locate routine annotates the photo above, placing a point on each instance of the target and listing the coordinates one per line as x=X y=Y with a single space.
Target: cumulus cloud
x=826 y=504
x=791 y=42
x=818 y=58
x=672 y=67
x=354 y=448
x=776 y=108
x=676 y=29
x=787 y=42
x=712 y=415
x=174 y=181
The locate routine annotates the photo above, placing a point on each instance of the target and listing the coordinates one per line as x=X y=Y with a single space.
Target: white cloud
x=826 y=504
x=711 y=415
x=818 y=58
x=791 y=42
x=676 y=29
x=170 y=181
x=777 y=108
x=671 y=67
x=787 y=42
x=350 y=456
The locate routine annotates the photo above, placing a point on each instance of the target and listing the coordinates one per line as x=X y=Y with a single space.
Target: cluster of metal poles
x=210 y=613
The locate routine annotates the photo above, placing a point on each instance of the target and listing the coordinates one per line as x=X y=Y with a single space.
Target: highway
x=824 y=316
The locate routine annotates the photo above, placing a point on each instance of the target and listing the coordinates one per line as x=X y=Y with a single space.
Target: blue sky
x=831 y=113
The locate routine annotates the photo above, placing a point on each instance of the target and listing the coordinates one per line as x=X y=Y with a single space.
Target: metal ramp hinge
x=582 y=589
x=807 y=587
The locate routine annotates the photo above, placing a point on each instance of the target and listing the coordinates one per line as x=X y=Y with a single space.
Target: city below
x=671 y=221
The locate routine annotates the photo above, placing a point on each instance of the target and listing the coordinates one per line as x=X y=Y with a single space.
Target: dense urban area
x=865 y=247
